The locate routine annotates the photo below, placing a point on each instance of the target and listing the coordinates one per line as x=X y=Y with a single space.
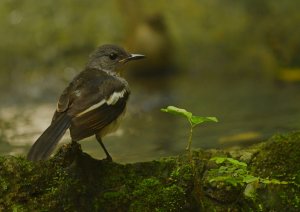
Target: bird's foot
x=108 y=158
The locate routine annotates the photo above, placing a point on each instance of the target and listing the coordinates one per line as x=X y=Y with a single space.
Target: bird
x=92 y=104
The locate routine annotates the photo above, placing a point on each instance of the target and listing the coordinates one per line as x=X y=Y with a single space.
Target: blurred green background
x=237 y=60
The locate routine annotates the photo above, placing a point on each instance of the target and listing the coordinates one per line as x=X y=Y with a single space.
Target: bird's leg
x=108 y=157
x=75 y=146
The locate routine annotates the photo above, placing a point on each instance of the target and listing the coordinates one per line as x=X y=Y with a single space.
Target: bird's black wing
x=99 y=100
x=67 y=97
x=98 y=120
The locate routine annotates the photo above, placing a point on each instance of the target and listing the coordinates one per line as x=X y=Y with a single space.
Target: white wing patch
x=112 y=99
x=115 y=97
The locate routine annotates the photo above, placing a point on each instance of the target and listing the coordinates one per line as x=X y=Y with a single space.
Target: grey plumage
x=93 y=100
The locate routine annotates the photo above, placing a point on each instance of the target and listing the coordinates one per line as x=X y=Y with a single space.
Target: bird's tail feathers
x=46 y=143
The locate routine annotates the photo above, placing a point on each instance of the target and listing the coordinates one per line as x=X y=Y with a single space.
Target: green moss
x=279 y=158
x=73 y=181
x=153 y=195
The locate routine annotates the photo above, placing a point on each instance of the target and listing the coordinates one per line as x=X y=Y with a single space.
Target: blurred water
x=249 y=110
x=238 y=37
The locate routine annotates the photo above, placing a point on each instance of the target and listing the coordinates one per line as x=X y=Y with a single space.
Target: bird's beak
x=132 y=57
x=136 y=57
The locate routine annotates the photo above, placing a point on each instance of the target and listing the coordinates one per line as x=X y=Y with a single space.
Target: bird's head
x=109 y=57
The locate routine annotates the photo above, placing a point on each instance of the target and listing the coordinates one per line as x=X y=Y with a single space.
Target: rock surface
x=264 y=177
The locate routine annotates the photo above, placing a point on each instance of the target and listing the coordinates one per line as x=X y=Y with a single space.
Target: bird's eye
x=113 y=56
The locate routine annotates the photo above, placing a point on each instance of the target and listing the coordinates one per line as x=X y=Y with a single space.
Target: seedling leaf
x=218 y=160
x=236 y=162
x=272 y=181
x=195 y=120
x=177 y=111
x=249 y=179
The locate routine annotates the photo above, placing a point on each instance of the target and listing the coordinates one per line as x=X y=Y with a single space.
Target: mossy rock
x=74 y=181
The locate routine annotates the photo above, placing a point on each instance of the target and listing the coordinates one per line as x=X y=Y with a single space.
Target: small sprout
x=250 y=179
x=220 y=160
x=234 y=172
x=193 y=120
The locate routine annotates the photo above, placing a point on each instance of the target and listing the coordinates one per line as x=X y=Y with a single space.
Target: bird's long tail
x=45 y=144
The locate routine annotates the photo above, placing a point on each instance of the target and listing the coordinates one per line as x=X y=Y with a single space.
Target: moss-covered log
x=264 y=177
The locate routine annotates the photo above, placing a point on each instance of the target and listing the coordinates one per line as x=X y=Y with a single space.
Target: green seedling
x=237 y=173
x=193 y=120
